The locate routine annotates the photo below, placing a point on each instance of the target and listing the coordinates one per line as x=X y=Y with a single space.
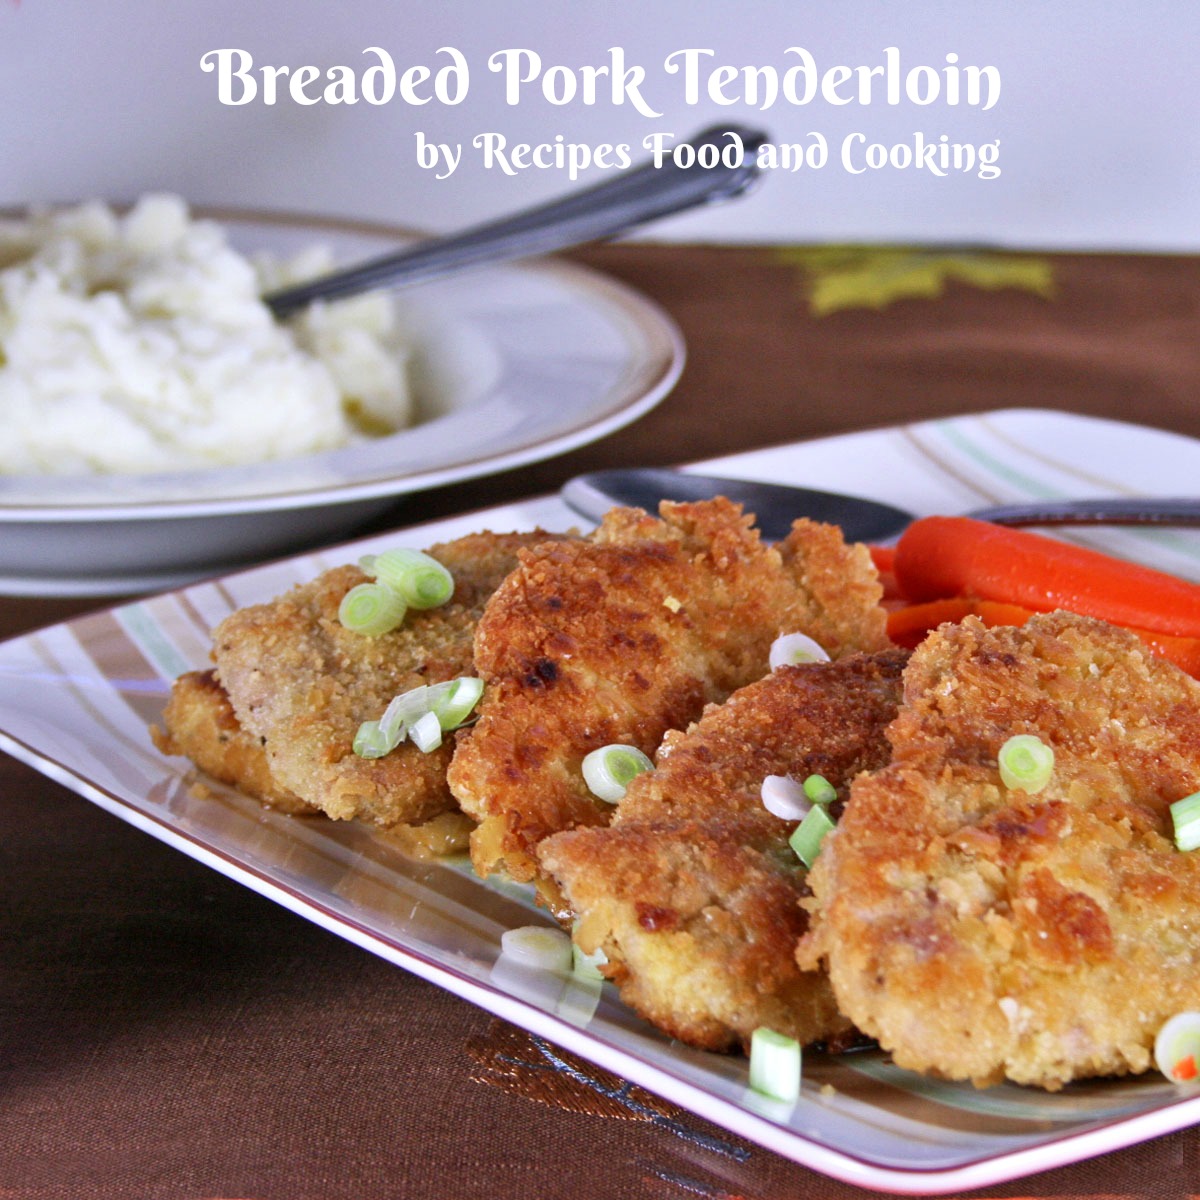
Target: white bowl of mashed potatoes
x=157 y=424
x=138 y=343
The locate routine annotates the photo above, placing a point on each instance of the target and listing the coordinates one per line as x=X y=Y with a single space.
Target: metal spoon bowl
x=777 y=505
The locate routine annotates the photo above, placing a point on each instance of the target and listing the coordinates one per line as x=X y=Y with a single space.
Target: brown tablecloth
x=168 y=1035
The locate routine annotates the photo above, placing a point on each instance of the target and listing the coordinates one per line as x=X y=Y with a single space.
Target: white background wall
x=1097 y=119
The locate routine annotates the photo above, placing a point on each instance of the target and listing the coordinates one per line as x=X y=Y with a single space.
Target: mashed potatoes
x=139 y=343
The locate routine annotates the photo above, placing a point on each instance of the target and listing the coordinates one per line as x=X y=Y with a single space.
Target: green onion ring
x=790 y=649
x=810 y=833
x=418 y=578
x=1026 y=762
x=775 y=1062
x=611 y=769
x=819 y=790
x=538 y=946
x=371 y=609
x=1185 y=816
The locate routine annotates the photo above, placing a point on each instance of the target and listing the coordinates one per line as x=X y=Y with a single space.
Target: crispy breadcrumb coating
x=981 y=932
x=200 y=725
x=628 y=635
x=693 y=893
x=302 y=683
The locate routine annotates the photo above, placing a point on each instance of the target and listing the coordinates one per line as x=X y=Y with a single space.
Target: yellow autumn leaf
x=838 y=277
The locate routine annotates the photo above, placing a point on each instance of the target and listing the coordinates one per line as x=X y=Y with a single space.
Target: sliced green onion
x=1177 y=1047
x=791 y=648
x=423 y=713
x=1026 y=762
x=418 y=578
x=405 y=710
x=456 y=702
x=611 y=769
x=538 y=946
x=784 y=797
x=371 y=609
x=808 y=835
x=819 y=790
x=1185 y=815
x=426 y=732
x=775 y=1061
x=587 y=966
x=373 y=741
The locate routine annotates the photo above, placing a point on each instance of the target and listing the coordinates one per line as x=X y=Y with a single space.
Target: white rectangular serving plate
x=76 y=701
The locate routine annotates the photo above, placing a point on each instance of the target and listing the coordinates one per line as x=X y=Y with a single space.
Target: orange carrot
x=939 y=557
x=1184 y=652
x=908 y=626
x=1184 y=1069
x=884 y=558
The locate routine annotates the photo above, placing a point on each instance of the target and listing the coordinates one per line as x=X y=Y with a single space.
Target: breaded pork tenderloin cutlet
x=200 y=724
x=980 y=931
x=693 y=893
x=302 y=683
x=627 y=635
x=699 y=921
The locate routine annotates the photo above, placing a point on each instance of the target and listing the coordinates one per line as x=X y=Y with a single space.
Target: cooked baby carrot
x=908 y=626
x=1184 y=652
x=938 y=557
x=884 y=558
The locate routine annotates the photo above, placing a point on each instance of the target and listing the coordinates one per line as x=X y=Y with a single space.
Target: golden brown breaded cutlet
x=200 y=724
x=693 y=893
x=699 y=922
x=301 y=682
x=625 y=636
x=981 y=932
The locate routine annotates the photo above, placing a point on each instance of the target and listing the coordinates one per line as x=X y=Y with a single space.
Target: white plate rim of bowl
x=653 y=377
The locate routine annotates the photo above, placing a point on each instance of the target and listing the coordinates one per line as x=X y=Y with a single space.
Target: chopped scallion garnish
x=807 y=838
x=457 y=702
x=418 y=578
x=611 y=769
x=406 y=710
x=775 y=1061
x=538 y=946
x=784 y=797
x=372 y=741
x=1177 y=1047
x=371 y=609
x=1026 y=762
x=423 y=714
x=1185 y=815
x=819 y=790
x=791 y=648
x=426 y=732
x=587 y=966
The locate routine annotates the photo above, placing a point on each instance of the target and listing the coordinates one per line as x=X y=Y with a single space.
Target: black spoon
x=777 y=505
